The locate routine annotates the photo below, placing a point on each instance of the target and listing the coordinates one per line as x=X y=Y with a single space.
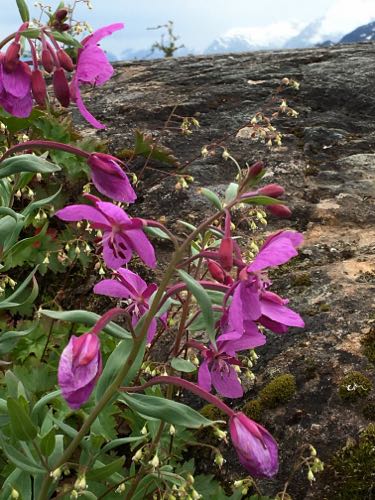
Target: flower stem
x=44 y=145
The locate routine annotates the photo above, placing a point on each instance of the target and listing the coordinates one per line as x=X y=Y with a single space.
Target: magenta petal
x=113 y=212
x=274 y=326
x=277 y=250
x=17 y=82
x=245 y=305
x=204 y=376
x=75 y=213
x=85 y=112
x=101 y=33
x=129 y=278
x=112 y=288
x=226 y=381
x=93 y=66
x=141 y=245
x=250 y=339
x=110 y=255
x=281 y=314
x=19 y=107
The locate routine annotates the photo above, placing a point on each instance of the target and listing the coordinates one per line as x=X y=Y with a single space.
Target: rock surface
x=327 y=165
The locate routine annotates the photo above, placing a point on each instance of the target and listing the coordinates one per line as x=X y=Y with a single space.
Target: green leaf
x=203 y=301
x=171 y=477
x=19 y=459
x=114 y=363
x=47 y=442
x=10 y=301
x=14 y=256
x=183 y=365
x=262 y=200
x=23 y=10
x=165 y=409
x=8 y=340
x=89 y=318
x=66 y=39
x=212 y=197
x=104 y=472
x=35 y=205
x=21 y=481
x=231 y=192
x=145 y=146
x=157 y=232
x=121 y=441
x=20 y=422
x=42 y=402
x=26 y=163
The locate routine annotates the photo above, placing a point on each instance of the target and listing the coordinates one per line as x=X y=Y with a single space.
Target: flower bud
x=14 y=494
x=61 y=14
x=273 y=190
x=38 y=87
x=256 y=169
x=219 y=459
x=47 y=60
x=155 y=461
x=279 y=210
x=172 y=430
x=138 y=456
x=56 y=474
x=216 y=271
x=256 y=448
x=121 y=488
x=310 y=476
x=65 y=60
x=12 y=56
x=61 y=87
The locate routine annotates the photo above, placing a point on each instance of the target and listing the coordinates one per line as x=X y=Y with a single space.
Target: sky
x=199 y=22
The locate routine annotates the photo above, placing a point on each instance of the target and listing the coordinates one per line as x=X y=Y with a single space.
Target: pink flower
x=79 y=368
x=217 y=367
x=122 y=235
x=256 y=448
x=251 y=299
x=130 y=286
x=15 y=88
x=109 y=178
x=93 y=68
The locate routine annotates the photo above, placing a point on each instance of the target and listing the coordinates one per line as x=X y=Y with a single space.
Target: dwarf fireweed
x=190 y=323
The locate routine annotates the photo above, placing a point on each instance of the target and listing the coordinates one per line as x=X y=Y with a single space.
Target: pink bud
x=12 y=56
x=279 y=210
x=216 y=271
x=61 y=87
x=65 y=60
x=38 y=87
x=256 y=448
x=273 y=190
x=47 y=60
x=256 y=169
x=226 y=253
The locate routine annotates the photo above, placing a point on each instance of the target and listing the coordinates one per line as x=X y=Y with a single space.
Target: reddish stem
x=202 y=393
x=44 y=145
x=106 y=318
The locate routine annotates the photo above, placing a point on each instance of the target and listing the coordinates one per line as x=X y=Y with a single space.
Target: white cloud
x=346 y=15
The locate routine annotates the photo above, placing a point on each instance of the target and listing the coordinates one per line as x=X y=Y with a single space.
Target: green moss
x=253 y=409
x=207 y=435
x=212 y=412
x=279 y=391
x=368 y=343
x=301 y=279
x=353 y=386
x=368 y=410
x=354 y=467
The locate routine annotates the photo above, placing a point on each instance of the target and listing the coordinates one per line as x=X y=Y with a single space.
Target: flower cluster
x=21 y=83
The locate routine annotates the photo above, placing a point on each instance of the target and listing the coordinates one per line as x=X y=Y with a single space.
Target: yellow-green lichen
x=353 y=386
x=354 y=468
x=253 y=409
x=279 y=391
x=301 y=279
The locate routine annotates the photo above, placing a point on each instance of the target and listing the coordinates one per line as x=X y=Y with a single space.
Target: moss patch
x=368 y=411
x=353 y=386
x=279 y=391
x=301 y=279
x=354 y=467
x=253 y=409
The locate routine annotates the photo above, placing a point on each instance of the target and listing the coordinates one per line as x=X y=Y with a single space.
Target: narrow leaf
x=183 y=365
x=212 y=197
x=104 y=472
x=26 y=163
x=20 y=422
x=23 y=10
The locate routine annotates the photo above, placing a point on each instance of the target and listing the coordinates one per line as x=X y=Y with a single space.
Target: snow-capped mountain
x=268 y=37
x=313 y=34
x=364 y=33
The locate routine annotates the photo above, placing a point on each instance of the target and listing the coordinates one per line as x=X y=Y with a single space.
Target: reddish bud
x=38 y=87
x=65 y=60
x=226 y=253
x=12 y=56
x=279 y=210
x=273 y=190
x=65 y=27
x=61 y=87
x=216 y=271
x=256 y=169
x=47 y=60
x=61 y=14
